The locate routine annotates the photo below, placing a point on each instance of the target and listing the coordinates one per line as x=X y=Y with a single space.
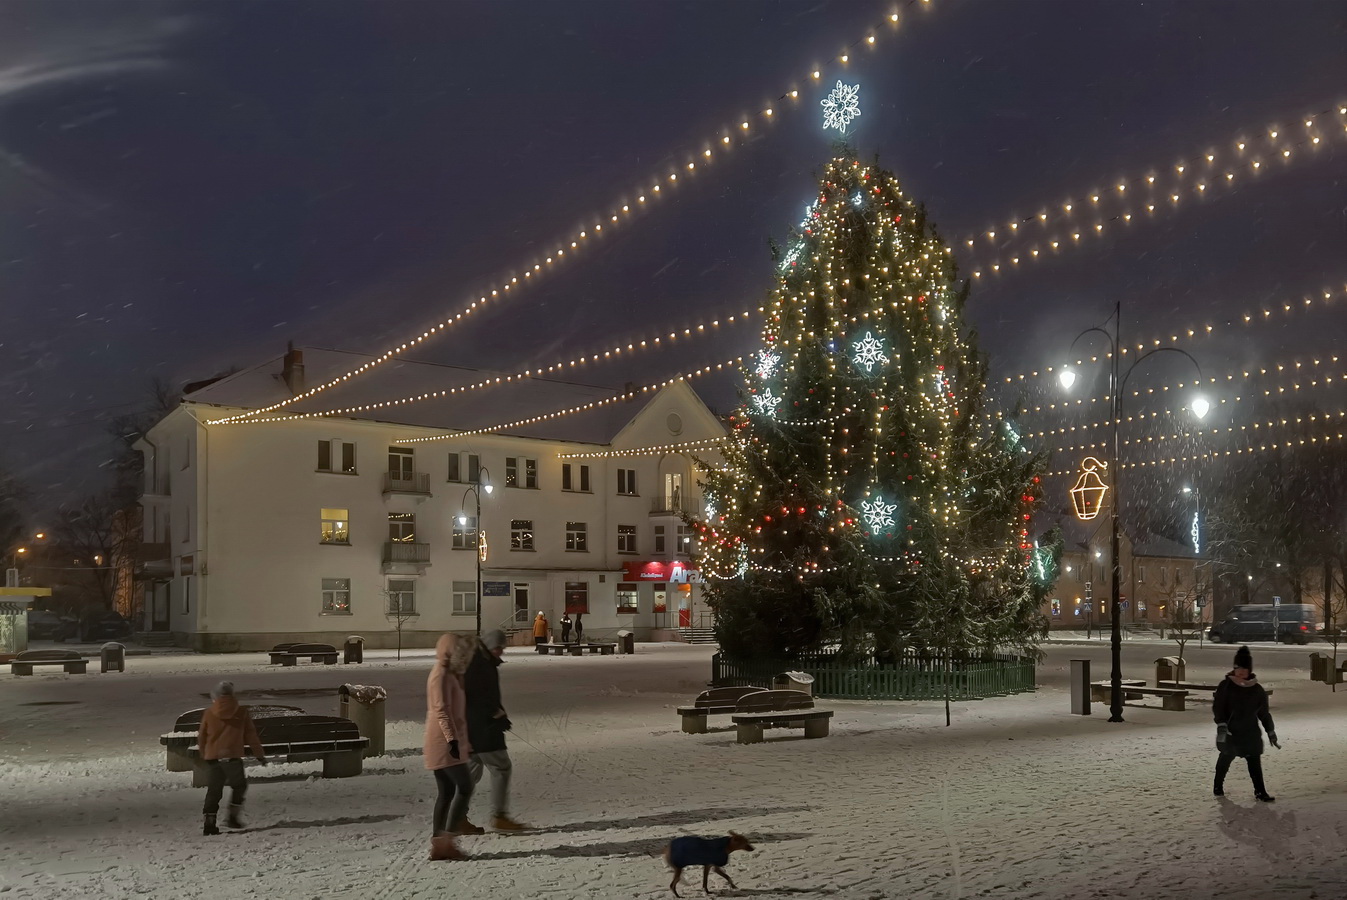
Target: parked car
x=104 y=625
x=1289 y=623
x=45 y=625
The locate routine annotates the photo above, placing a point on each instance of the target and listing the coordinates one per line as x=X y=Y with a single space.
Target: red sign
x=675 y=572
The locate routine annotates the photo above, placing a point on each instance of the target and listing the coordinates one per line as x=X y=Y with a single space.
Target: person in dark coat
x=487 y=724
x=579 y=630
x=565 y=627
x=1238 y=708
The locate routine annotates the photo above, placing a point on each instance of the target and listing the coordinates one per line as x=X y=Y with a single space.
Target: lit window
x=336 y=526
x=521 y=534
x=627 y=598
x=577 y=536
x=336 y=596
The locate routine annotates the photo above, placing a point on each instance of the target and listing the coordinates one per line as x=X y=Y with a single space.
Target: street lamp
x=1117 y=383
x=483 y=482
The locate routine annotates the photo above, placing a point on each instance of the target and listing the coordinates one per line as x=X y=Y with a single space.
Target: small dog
x=709 y=853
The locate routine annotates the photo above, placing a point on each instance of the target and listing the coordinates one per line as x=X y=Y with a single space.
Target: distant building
x=312 y=529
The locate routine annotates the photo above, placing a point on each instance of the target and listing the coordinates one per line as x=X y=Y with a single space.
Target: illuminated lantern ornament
x=841 y=106
x=869 y=352
x=878 y=515
x=1088 y=495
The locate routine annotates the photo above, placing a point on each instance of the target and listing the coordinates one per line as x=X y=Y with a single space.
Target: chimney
x=293 y=372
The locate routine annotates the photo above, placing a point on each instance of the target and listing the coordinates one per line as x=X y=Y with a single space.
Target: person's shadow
x=1274 y=833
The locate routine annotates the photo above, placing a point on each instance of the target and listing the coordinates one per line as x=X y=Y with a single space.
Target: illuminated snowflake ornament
x=877 y=514
x=792 y=256
x=767 y=402
x=869 y=352
x=767 y=363
x=841 y=106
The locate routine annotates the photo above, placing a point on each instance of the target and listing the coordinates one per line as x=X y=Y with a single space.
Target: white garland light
x=767 y=363
x=869 y=352
x=841 y=106
x=878 y=515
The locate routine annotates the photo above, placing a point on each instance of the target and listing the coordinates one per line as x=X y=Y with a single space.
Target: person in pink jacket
x=446 y=745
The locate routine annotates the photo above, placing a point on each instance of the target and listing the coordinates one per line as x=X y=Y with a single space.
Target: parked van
x=1290 y=623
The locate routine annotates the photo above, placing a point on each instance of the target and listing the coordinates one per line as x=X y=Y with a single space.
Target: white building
x=312 y=529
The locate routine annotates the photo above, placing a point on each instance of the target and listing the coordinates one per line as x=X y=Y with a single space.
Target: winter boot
x=1263 y=796
x=234 y=819
x=1218 y=789
x=442 y=846
x=505 y=823
x=466 y=827
x=209 y=826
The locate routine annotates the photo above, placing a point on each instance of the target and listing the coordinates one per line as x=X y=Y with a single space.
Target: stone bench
x=576 y=649
x=72 y=662
x=715 y=702
x=287 y=734
x=1171 y=698
x=291 y=654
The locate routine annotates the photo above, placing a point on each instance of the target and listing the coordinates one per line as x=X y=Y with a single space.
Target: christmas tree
x=869 y=502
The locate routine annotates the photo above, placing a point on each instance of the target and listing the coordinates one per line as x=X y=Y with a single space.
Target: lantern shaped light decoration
x=1088 y=495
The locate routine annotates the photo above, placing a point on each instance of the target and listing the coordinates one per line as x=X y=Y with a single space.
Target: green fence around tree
x=908 y=677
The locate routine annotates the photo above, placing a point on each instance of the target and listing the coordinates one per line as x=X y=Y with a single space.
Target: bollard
x=1080 y=687
x=112 y=656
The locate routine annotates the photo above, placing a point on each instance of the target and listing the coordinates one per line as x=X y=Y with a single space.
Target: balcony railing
x=670 y=506
x=414 y=483
x=406 y=552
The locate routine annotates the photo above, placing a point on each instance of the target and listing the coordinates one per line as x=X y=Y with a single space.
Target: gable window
x=402 y=527
x=465 y=598
x=521 y=534
x=465 y=467
x=573 y=480
x=336 y=456
x=465 y=533
x=336 y=526
x=577 y=537
x=521 y=472
x=626 y=539
x=577 y=597
x=627 y=596
x=336 y=596
x=626 y=481
x=401 y=597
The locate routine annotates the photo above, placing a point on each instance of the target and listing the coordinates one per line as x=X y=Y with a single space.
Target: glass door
x=521 y=604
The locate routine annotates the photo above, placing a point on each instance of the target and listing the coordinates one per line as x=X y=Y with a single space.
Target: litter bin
x=112 y=655
x=794 y=681
x=1169 y=668
x=363 y=704
x=626 y=642
x=353 y=651
x=1319 y=667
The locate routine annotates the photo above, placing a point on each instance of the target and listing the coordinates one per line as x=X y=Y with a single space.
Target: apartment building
x=365 y=521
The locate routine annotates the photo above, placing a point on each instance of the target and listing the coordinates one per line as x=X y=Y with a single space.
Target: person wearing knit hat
x=225 y=733
x=1239 y=707
x=487 y=724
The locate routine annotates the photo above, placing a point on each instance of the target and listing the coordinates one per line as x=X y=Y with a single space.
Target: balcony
x=674 y=506
x=416 y=483
x=405 y=557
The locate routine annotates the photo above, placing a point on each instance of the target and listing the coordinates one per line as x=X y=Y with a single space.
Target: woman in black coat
x=1240 y=705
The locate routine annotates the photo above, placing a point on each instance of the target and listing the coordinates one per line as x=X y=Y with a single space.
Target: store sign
x=675 y=572
x=495 y=588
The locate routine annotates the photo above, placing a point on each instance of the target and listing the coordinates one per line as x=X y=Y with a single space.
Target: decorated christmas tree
x=870 y=502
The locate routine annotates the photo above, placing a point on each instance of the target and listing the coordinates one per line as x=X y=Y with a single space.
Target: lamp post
x=1117 y=383
x=484 y=483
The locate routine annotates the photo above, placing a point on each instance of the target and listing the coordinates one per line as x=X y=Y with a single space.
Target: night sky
x=186 y=186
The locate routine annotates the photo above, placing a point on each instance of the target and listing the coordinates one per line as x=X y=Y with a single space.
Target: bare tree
x=398 y=613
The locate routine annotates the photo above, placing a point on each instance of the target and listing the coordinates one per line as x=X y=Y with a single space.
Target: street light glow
x=462 y=519
x=1066 y=377
x=1200 y=406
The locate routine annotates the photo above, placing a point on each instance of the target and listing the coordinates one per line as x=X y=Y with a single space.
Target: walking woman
x=446 y=745
x=1240 y=704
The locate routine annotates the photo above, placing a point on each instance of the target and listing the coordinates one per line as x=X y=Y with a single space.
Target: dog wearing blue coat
x=709 y=853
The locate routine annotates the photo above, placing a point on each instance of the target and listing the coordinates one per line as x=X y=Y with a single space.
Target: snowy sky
x=187 y=186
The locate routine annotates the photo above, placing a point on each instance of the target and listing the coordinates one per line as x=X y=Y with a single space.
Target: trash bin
x=353 y=651
x=626 y=642
x=1169 y=668
x=794 y=681
x=112 y=655
x=363 y=704
x=1319 y=668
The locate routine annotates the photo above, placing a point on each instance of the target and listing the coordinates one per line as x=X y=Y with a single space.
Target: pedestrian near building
x=447 y=743
x=565 y=627
x=487 y=724
x=540 y=629
x=1239 y=706
x=579 y=629
x=225 y=732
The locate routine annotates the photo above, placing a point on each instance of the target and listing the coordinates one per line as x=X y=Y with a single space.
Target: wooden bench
x=576 y=649
x=72 y=662
x=288 y=735
x=181 y=740
x=778 y=709
x=1196 y=688
x=1171 y=698
x=715 y=702
x=291 y=654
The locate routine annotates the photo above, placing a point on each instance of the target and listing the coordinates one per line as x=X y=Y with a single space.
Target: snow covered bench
x=287 y=733
x=72 y=662
x=577 y=649
x=291 y=654
x=717 y=701
x=1171 y=698
x=778 y=709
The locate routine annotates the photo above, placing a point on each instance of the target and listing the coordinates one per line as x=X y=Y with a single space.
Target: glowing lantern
x=1088 y=495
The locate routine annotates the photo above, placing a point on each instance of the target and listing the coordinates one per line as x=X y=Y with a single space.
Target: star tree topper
x=869 y=352
x=841 y=106
x=878 y=515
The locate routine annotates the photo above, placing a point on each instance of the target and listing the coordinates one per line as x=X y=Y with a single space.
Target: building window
x=685 y=539
x=521 y=534
x=577 y=597
x=336 y=456
x=465 y=464
x=336 y=596
x=577 y=536
x=401 y=597
x=569 y=480
x=626 y=481
x=627 y=598
x=1164 y=576
x=1178 y=576
x=336 y=526
x=186 y=595
x=659 y=538
x=1080 y=574
x=402 y=528
x=400 y=466
x=661 y=598
x=626 y=539
x=1057 y=609
x=465 y=598
x=521 y=472
x=465 y=533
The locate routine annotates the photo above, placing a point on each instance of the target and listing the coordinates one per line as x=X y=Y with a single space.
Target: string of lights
x=622 y=211
x=1059 y=226
x=584 y=407
x=684 y=447
x=1256 y=427
x=1292 y=444
x=616 y=351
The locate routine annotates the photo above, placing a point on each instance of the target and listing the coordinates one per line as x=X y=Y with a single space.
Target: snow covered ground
x=1018 y=799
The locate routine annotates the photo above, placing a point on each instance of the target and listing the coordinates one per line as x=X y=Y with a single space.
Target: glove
x=1272 y=737
x=453 y=749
